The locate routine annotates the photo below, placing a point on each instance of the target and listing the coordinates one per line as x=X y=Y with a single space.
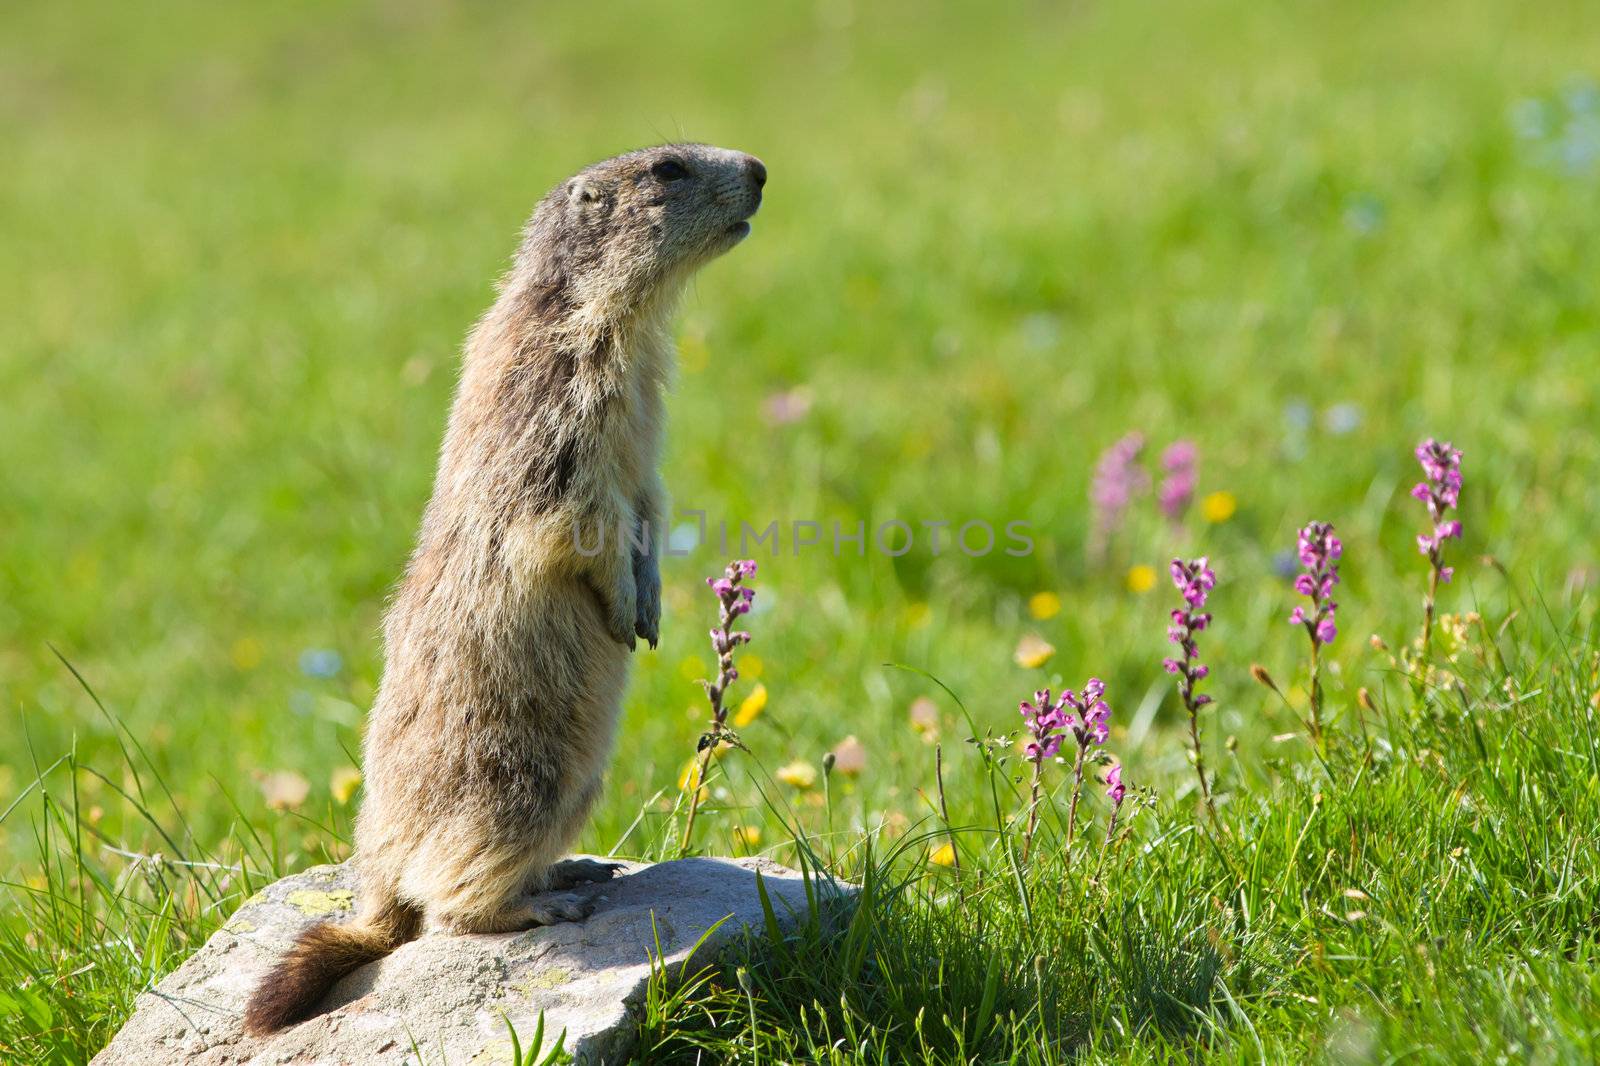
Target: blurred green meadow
x=242 y=245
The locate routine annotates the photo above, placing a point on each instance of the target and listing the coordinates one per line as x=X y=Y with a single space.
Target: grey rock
x=447 y=999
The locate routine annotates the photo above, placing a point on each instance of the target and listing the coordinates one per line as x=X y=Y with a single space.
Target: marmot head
x=619 y=232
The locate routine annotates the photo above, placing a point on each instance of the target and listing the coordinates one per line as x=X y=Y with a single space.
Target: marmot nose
x=756 y=169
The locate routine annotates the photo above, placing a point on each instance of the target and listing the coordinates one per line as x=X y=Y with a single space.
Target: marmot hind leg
x=516 y=914
x=570 y=873
x=502 y=893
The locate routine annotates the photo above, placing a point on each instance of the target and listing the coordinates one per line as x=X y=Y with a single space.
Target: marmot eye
x=670 y=170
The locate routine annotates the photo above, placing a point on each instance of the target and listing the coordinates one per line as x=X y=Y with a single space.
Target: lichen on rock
x=316 y=902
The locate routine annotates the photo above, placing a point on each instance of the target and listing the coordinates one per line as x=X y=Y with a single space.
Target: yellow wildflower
x=799 y=773
x=750 y=666
x=688 y=777
x=1141 y=578
x=748 y=835
x=1044 y=605
x=343 y=784
x=1033 y=651
x=246 y=653
x=943 y=855
x=751 y=706
x=1218 y=507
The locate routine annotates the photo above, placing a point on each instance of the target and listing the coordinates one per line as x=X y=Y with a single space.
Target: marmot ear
x=581 y=192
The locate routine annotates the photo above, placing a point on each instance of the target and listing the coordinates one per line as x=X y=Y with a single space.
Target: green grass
x=241 y=247
x=1433 y=904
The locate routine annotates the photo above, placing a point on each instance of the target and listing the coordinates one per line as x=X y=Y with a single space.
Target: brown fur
x=508 y=639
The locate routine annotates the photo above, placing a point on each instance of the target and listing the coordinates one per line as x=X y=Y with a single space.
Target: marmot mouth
x=739 y=230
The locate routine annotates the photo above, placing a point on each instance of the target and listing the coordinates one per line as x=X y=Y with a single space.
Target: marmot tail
x=320 y=956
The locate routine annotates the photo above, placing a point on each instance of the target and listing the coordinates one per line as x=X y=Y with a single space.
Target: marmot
x=507 y=642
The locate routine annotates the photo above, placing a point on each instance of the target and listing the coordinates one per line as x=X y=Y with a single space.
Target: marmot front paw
x=648 y=625
x=647 y=579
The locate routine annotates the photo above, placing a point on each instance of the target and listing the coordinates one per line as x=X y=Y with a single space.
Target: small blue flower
x=1531 y=119
x=1582 y=96
x=1562 y=129
x=1364 y=214
x=684 y=538
x=1041 y=330
x=1297 y=416
x=1579 y=149
x=321 y=662
x=1342 y=418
